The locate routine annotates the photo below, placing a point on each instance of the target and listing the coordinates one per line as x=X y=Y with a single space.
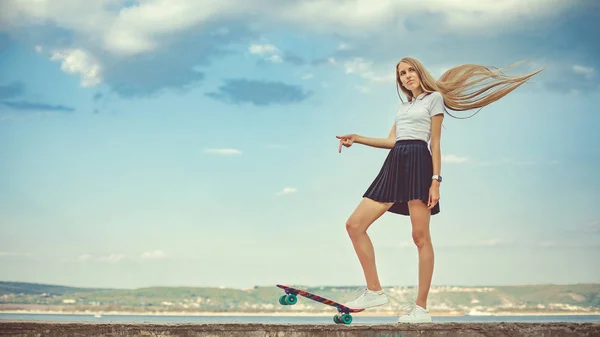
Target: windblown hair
x=467 y=86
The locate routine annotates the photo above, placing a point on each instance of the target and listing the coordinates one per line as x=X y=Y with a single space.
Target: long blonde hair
x=464 y=87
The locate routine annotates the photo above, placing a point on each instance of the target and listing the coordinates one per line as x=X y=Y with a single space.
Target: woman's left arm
x=436 y=155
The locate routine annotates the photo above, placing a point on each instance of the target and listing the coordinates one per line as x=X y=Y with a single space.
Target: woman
x=409 y=180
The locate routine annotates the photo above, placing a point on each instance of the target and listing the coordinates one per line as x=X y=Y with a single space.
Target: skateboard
x=342 y=317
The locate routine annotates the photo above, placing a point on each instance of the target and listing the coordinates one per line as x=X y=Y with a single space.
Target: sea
x=286 y=319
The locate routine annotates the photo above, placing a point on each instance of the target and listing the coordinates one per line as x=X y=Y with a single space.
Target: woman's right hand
x=346 y=140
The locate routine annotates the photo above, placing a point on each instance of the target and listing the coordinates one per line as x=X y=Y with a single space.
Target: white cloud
x=112 y=258
x=148 y=25
x=307 y=76
x=570 y=244
x=144 y=26
x=501 y=243
x=515 y=162
x=262 y=49
x=270 y=52
x=363 y=88
x=287 y=190
x=13 y=254
x=344 y=46
x=77 y=61
x=224 y=152
x=154 y=254
x=357 y=65
x=587 y=72
x=495 y=242
x=365 y=70
x=275 y=59
x=453 y=159
x=115 y=258
x=140 y=28
x=84 y=257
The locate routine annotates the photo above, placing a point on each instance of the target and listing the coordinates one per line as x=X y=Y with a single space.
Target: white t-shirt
x=413 y=119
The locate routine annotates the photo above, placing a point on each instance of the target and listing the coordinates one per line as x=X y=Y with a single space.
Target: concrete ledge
x=54 y=329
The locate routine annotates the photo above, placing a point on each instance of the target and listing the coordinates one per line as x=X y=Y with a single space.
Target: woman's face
x=409 y=76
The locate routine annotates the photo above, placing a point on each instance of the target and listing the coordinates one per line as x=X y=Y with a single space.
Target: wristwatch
x=437 y=177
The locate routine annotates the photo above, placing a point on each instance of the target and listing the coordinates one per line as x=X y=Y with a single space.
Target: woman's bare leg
x=359 y=221
x=419 y=217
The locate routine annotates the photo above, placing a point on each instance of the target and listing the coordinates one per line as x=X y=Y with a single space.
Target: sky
x=192 y=143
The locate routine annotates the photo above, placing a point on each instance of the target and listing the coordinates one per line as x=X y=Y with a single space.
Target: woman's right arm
x=382 y=143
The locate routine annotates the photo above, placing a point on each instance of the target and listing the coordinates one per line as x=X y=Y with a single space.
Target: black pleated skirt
x=405 y=175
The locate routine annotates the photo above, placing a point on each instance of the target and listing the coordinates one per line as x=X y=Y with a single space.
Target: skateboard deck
x=343 y=315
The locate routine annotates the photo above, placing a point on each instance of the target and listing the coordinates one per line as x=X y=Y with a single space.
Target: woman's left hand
x=434 y=195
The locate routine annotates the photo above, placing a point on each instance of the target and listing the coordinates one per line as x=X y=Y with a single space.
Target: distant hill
x=578 y=298
x=37 y=288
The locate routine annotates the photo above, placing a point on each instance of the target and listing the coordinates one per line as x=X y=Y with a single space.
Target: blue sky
x=152 y=143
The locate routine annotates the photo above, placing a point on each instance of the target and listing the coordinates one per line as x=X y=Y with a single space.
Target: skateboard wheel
x=282 y=300
x=336 y=319
x=346 y=319
x=291 y=299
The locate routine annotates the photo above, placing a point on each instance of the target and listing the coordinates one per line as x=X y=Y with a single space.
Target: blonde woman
x=410 y=178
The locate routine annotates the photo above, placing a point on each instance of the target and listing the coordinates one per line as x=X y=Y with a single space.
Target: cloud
x=513 y=162
x=133 y=28
x=13 y=254
x=363 y=68
x=178 y=66
x=268 y=51
x=11 y=90
x=343 y=46
x=587 y=72
x=272 y=54
x=141 y=48
x=154 y=255
x=261 y=93
x=481 y=243
x=15 y=90
x=286 y=191
x=505 y=243
x=78 y=61
x=572 y=245
x=84 y=257
x=116 y=258
x=112 y=258
x=224 y=152
x=495 y=242
x=454 y=159
x=358 y=66
x=29 y=106
x=572 y=78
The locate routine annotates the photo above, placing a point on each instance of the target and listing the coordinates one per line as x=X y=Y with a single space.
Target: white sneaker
x=416 y=315
x=367 y=299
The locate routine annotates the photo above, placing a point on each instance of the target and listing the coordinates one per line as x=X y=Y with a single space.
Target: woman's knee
x=421 y=237
x=364 y=215
x=419 y=216
x=355 y=227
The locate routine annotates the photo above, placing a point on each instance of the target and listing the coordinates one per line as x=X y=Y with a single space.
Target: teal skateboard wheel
x=291 y=299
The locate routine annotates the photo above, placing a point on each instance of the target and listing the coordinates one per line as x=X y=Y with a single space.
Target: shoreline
x=282 y=314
